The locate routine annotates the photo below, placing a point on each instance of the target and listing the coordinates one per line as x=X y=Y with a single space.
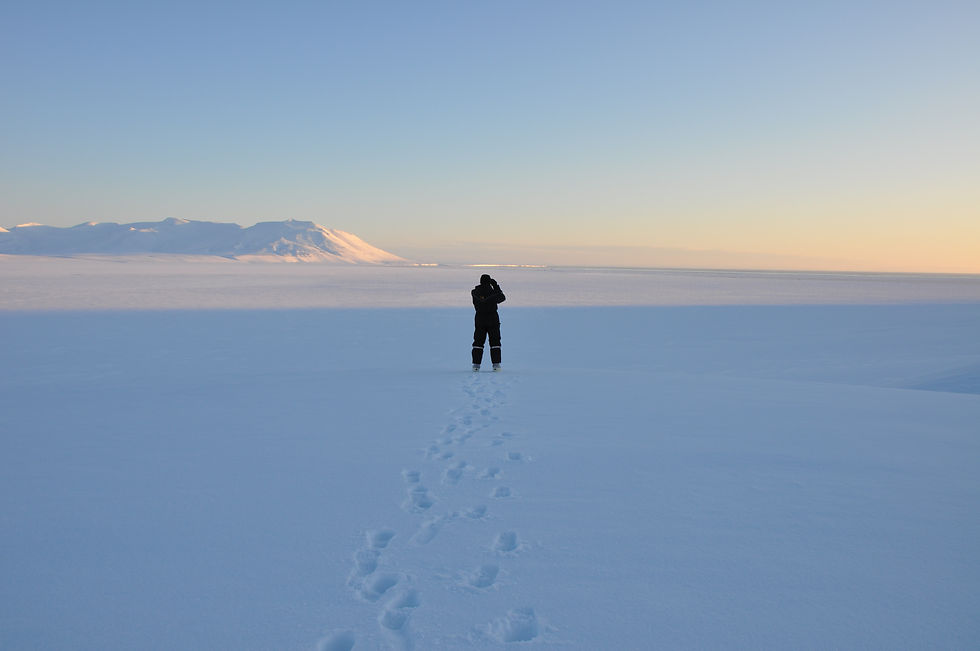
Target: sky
x=824 y=135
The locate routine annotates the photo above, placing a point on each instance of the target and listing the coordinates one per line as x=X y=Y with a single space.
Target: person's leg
x=494 y=332
x=479 y=337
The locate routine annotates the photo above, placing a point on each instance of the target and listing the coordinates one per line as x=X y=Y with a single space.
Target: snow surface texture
x=272 y=241
x=766 y=477
x=176 y=282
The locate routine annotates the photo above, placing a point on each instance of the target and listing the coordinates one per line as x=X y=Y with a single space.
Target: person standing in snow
x=486 y=297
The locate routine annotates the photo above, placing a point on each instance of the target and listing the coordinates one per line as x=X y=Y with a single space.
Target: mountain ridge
x=291 y=240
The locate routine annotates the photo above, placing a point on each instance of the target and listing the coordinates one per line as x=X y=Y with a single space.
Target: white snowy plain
x=729 y=474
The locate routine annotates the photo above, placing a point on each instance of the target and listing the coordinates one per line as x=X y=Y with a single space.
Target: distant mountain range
x=287 y=240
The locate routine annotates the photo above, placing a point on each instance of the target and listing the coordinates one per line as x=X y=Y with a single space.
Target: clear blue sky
x=846 y=132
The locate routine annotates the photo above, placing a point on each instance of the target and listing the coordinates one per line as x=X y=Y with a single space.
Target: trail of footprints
x=394 y=592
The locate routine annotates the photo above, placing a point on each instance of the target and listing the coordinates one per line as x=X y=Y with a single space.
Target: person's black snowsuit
x=486 y=296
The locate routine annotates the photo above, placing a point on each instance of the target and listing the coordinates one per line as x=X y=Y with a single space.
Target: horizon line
x=190 y=257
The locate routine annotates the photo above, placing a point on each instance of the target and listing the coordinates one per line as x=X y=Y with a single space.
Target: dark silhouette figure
x=486 y=296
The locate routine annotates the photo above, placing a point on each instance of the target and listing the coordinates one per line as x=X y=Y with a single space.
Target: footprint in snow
x=505 y=542
x=379 y=539
x=500 y=492
x=409 y=598
x=484 y=576
x=477 y=512
x=492 y=472
x=418 y=499
x=365 y=563
x=519 y=625
x=411 y=476
x=501 y=438
x=366 y=559
x=428 y=530
x=337 y=641
x=453 y=473
x=394 y=619
x=460 y=439
x=377 y=585
x=436 y=452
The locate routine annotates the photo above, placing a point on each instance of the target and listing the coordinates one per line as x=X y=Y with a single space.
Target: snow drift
x=287 y=240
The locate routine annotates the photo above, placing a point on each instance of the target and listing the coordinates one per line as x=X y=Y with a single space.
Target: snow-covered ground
x=159 y=281
x=721 y=474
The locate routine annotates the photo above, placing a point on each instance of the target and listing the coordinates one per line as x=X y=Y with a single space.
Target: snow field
x=701 y=477
x=173 y=282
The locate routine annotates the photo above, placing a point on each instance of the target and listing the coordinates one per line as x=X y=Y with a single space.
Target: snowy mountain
x=275 y=241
